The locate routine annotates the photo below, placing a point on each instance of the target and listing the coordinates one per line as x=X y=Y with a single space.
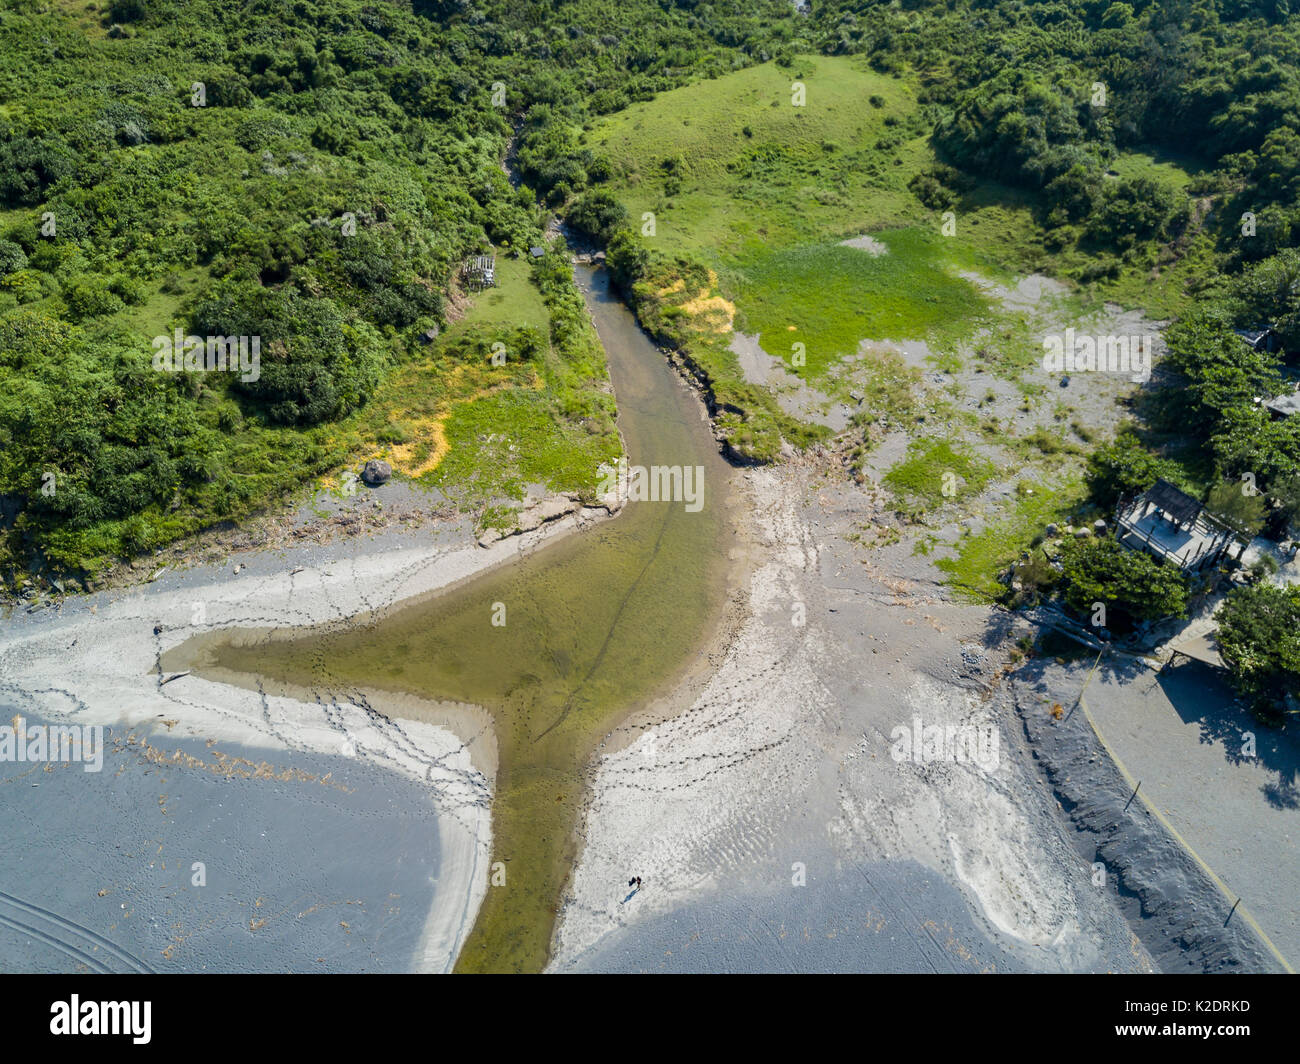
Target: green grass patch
x=1174 y=169
x=506 y=441
x=934 y=473
x=972 y=571
x=731 y=165
x=829 y=297
x=515 y=300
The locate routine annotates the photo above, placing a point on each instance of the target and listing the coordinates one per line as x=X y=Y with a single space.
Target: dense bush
x=1216 y=399
x=1125 y=467
x=1133 y=211
x=1259 y=640
x=28 y=166
x=1131 y=584
x=598 y=214
x=316 y=365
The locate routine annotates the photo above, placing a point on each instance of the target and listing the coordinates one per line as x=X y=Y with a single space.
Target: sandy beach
x=761 y=801
x=94 y=660
x=776 y=793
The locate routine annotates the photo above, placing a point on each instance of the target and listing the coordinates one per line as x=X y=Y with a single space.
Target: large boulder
x=376 y=472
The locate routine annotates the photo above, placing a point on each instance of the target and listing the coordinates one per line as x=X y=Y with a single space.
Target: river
x=596 y=624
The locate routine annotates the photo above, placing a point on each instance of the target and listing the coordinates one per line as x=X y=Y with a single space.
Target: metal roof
x=1285 y=405
x=1172 y=501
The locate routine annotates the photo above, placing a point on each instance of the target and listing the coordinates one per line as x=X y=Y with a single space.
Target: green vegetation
x=347 y=159
x=1207 y=427
x=829 y=297
x=738 y=196
x=934 y=472
x=1259 y=640
x=731 y=167
x=1124 y=467
x=313 y=176
x=1132 y=585
x=980 y=556
x=1044 y=133
x=1242 y=510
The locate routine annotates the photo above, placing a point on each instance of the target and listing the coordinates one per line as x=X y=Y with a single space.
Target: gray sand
x=285 y=890
x=872 y=917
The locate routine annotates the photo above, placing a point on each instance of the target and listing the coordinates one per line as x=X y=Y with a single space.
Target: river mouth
x=552 y=650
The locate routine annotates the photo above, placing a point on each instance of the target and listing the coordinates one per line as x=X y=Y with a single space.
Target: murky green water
x=595 y=624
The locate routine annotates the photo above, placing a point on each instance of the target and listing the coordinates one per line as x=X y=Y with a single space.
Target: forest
x=314 y=174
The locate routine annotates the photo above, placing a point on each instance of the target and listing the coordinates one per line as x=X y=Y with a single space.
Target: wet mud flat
x=185 y=855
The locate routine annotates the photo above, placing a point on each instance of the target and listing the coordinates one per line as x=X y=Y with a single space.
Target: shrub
x=28 y=166
x=12 y=257
x=1125 y=467
x=90 y=297
x=1129 y=582
x=316 y=365
x=1259 y=641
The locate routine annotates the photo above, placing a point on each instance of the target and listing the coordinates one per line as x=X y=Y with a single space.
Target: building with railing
x=1171 y=525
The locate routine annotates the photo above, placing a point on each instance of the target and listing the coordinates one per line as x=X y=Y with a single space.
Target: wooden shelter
x=480 y=272
x=1170 y=524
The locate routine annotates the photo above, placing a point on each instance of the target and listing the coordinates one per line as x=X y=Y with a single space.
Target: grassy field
x=731 y=167
x=734 y=174
x=1167 y=167
x=829 y=297
x=482 y=433
x=743 y=198
x=762 y=191
x=514 y=300
x=744 y=201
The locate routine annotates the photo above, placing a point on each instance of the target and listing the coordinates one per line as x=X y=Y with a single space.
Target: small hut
x=480 y=272
x=1260 y=338
x=1173 y=526
x=1284 y=406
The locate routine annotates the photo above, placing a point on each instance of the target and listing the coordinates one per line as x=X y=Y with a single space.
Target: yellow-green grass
x=501 y=443
x=483 y=433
